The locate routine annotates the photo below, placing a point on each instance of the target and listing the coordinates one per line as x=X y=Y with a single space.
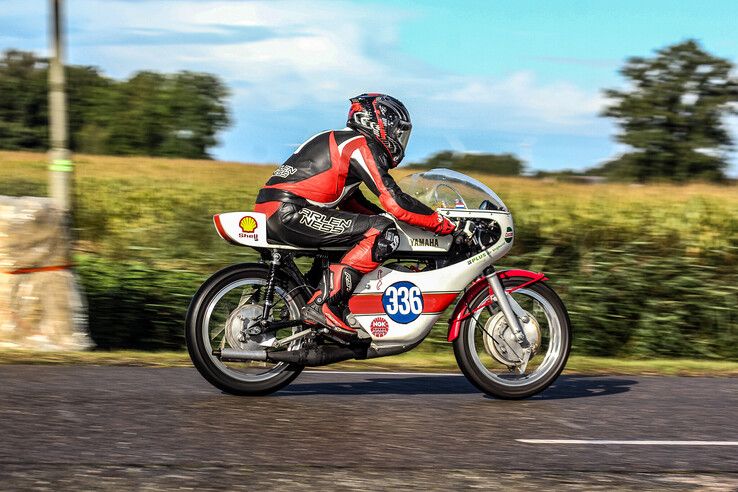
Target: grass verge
x=410 y=362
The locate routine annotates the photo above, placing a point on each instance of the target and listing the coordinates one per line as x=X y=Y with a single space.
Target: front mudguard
x=463 y=311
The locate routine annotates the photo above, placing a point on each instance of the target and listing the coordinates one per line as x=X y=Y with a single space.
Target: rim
x=543 y=361
x=215 y=328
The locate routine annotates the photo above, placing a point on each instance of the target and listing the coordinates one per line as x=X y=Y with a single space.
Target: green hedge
x=624 y=302
x=135 y=305
x=644 y=271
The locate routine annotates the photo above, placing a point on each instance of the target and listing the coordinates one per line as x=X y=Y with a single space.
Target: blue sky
x=484 y=76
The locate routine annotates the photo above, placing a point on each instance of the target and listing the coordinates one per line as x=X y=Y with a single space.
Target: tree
x=672 y=116
x=23 y=107
x=177 y=115
x=196 y=104
x=501 y=164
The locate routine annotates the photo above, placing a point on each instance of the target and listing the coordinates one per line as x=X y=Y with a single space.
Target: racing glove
x=445 y=226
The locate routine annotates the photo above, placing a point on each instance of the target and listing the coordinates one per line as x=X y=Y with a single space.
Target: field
x=645 y=270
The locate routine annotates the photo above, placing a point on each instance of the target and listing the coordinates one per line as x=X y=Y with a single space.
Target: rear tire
x=197 y=324
x=469 y=362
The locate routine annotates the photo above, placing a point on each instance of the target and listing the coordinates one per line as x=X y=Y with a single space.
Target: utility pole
x=60 y=164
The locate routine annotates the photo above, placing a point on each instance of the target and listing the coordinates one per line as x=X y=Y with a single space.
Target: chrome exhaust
x=236 y=355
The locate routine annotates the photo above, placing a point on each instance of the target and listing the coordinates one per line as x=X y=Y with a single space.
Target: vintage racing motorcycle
x=510 y=331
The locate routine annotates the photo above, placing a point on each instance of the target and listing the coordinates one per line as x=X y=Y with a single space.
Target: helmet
x=383 y=118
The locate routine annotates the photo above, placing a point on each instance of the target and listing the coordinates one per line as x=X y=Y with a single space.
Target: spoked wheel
x=489 y=356
x=226 y=304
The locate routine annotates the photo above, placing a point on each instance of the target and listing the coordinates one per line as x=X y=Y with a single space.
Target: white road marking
x=628 y=443
x=385 y=373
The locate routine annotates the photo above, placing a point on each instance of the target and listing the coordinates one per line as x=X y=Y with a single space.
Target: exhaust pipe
x=236 y=355
x=319 y=356
x=313 y=356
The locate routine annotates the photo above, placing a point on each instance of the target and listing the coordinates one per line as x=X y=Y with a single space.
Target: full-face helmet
x=383 y=118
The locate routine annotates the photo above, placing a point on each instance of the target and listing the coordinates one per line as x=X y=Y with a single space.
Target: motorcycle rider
x=313 y=200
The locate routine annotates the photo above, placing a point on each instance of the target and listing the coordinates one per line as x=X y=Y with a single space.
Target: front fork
x=513 y=314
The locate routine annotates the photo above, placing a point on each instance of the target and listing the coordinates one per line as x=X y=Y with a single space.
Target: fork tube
x=269 y=298
x=507 y=310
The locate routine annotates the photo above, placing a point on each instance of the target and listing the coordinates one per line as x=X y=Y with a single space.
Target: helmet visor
x=403 y=135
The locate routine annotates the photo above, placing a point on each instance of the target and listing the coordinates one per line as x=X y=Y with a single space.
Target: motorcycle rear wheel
x=211 y=324
x=480 y=362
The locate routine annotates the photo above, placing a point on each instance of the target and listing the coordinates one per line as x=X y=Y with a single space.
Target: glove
x=445 y=226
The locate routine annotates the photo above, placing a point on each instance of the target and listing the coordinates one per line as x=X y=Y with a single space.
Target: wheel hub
x=500 y=341
x=238 y=322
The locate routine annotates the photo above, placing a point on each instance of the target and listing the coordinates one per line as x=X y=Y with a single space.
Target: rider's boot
x=327 y=305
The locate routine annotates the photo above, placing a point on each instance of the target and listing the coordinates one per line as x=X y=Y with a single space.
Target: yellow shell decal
x=247 y=224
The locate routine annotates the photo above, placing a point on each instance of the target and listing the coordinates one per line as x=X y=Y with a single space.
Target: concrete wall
x=40 y=304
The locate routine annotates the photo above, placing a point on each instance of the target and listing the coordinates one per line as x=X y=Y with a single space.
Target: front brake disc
x=500 y=342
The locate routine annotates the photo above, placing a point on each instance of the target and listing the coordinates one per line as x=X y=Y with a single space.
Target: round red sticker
x=379 y=327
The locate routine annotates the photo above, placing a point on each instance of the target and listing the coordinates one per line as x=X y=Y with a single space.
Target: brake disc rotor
x=241 y=318
x=500 y=342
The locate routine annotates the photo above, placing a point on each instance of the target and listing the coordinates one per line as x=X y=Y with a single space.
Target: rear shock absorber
x=269 y=297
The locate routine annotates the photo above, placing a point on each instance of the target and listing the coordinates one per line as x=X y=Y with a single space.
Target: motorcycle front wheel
x=485 y=351
x=226 y=303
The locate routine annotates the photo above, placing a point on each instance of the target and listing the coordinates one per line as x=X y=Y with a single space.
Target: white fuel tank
x=414 y=239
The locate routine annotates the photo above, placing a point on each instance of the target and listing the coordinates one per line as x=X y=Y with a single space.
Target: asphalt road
x=66 y=427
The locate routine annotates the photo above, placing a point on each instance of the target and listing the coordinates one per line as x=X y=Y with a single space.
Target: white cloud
x=310 y=57
x=525 y=100
x=321 y=52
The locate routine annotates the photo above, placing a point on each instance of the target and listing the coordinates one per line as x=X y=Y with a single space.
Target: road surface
x=69 y=427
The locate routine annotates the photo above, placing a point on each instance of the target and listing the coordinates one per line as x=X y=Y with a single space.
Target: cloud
x=304 y=59
x=286 y=53
x=523 y=98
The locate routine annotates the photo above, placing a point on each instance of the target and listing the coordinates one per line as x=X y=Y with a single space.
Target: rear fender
x=462 y=310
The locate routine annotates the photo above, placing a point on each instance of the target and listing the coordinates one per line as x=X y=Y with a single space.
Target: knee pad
x=386 y=244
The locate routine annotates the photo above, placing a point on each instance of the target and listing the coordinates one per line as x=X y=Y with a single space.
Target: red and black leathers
x=325 y=172
x=313 y=200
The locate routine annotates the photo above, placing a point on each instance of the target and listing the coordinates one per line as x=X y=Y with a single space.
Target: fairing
x=444 y=188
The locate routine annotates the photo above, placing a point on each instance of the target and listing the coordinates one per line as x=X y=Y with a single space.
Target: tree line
x=150 y=113
x=500 y=164
x=672 y=115
x=672 y=119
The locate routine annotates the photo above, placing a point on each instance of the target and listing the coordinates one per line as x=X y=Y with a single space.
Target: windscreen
x=444 y=188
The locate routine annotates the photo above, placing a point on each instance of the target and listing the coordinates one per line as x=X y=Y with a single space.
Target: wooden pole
x=61 y=167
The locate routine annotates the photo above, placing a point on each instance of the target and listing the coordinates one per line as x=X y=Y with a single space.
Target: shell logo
x=247 y=224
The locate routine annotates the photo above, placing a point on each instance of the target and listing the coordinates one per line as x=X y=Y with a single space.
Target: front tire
x=212 y=323
x=479 y=360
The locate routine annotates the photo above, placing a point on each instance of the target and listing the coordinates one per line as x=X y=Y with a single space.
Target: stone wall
x=41 y=307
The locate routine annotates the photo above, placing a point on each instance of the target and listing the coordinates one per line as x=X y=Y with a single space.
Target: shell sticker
x=247 y=224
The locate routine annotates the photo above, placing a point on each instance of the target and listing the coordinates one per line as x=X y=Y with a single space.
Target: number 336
x=403 y=300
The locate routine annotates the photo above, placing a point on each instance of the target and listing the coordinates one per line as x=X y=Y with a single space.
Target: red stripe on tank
x=372 y=303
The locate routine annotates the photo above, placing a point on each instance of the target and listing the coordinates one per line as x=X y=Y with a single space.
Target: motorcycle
x=510 y=331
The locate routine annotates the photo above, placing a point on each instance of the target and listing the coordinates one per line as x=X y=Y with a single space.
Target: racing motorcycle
x=510 y=331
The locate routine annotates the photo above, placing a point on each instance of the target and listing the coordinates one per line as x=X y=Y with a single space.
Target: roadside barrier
x=41 y=307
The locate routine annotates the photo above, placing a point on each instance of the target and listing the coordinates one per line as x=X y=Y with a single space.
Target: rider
x=313 y=200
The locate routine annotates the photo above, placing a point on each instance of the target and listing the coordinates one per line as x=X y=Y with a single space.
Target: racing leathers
x=313 y=200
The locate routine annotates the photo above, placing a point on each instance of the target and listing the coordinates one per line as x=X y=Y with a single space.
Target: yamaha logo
x=424 y=241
